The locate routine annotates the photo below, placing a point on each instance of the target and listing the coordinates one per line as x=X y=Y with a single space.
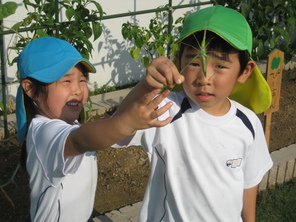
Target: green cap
x=225 y=22
x=233 y=28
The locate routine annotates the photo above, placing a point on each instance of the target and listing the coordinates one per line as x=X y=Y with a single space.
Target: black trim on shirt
x=184 y=106
x=165 y=186
x=42 y=195
x=246 y=121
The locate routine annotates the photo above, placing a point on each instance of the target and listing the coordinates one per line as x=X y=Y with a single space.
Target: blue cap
x=47 y=60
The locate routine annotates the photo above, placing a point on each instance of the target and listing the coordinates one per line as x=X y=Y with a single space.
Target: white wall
x=111 y=52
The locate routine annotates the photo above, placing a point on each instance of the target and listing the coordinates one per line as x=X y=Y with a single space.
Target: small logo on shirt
x=234 y=163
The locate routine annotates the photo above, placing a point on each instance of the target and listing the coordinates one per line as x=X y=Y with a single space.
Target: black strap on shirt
x=184 y=106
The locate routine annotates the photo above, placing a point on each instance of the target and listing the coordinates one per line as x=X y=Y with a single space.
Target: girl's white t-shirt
x=61 y=189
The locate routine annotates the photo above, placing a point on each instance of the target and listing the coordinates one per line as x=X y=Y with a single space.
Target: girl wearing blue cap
x=207 y=163
x=60 y=157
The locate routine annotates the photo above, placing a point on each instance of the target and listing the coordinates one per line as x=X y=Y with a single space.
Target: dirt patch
x=283 y=123
x=123 y=173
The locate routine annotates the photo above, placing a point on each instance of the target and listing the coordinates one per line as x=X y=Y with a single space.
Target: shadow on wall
x=125 y=69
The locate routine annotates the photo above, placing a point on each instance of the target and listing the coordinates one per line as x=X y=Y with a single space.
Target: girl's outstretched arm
x=97 y=135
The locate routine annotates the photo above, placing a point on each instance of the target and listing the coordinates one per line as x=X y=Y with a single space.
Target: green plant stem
x=7 y=139
x=15 y=31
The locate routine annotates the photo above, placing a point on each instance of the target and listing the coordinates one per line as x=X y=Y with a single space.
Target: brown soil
x=123 y=173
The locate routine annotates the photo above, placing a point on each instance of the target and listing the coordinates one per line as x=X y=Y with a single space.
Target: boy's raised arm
x=160 y=73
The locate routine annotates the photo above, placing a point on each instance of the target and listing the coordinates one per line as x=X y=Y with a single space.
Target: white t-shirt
x=201 y=164
x=61 y=190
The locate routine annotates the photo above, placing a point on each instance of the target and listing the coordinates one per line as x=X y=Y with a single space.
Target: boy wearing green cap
x=207 y=163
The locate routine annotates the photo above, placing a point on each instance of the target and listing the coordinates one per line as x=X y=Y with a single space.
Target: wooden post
x=274 y=70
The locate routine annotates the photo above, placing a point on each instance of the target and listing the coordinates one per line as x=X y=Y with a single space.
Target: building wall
x=111 y=52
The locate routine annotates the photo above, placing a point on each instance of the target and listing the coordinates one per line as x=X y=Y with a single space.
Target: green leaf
x=145 y=61
x=135 y=53
x=276 y=3
x=125 y=33
x=138 y=42
x=7 y=9
x=174 y=48
x=97 y=30
x=69 y=13
x=272 y=43
x=160 y=50
x=268 y=10
x=84 y=53
x=282 y=32
x=49 y=22
x=260 y=49
x=41 y=33
x=246 y=8
x=84 y=13
x=16 y=26
x=87 y=32
x=99 y=8
x=146 y=36
x=290 y=23
x=135 y=31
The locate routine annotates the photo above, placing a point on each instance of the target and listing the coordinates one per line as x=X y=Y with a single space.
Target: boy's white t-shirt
x=201 y=164
x=61 y=190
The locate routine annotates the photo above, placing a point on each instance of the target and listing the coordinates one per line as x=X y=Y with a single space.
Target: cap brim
x=88 y=65
x=58 y=70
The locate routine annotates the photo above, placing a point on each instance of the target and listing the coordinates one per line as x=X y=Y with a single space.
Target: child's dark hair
x=31 y=108
x=214 y=43
x=37 y=87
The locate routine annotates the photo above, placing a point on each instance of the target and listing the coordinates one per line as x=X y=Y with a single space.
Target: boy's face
x=210 y=91
x=66 y=97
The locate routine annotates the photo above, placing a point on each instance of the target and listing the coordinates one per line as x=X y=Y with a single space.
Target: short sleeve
x=46 y=141
x=258 y=160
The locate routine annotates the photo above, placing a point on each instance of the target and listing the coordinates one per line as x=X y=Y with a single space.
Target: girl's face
x=210 y=91
x=65 y=97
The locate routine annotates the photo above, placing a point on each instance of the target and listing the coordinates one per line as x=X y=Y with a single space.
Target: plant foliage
x=156 y=40
x=79 y=26
x=7 y=9
x=272 y=23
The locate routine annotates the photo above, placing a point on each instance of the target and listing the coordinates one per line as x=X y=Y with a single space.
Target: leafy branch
x=272 y=23
x=153 y=40
x=7 y=9
x=80 y=25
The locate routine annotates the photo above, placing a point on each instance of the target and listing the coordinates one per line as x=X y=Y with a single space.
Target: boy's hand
x=162 y=72
x=143 y=113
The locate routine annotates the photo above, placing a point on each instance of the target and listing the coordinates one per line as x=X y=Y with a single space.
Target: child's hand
x=143 y=113
x=162 y=72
